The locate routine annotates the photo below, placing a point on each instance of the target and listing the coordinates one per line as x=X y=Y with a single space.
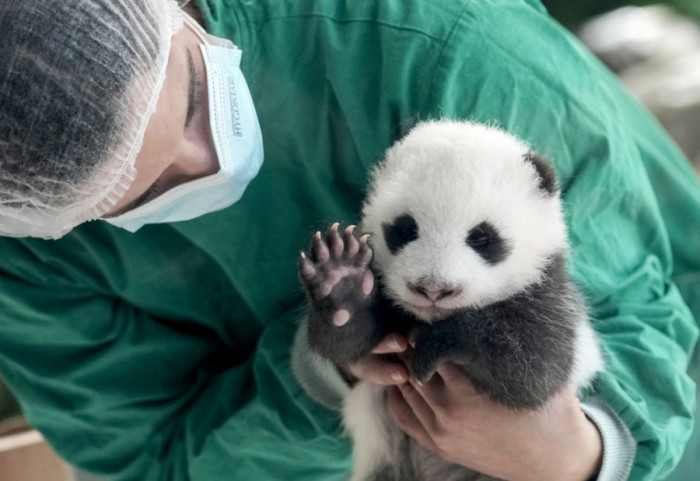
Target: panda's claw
x=352 y=244
x=364 y=256
x=319 y=249
x=306 y=268
x=336 y=243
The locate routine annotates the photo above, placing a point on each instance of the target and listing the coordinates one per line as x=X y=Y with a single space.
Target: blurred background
x=655 y=50
x=653 y=47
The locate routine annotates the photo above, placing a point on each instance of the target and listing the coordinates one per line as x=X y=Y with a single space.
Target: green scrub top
x=164 y=355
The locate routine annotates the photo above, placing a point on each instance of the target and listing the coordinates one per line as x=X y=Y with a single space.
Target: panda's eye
x=486 y=241
x=478 y=239
x=399 y=233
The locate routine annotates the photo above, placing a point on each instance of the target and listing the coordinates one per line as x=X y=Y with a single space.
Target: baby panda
x=462 y=245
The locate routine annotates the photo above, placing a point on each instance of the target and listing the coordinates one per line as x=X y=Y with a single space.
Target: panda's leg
x=340 y=286
x=376 y=438
x=588 y=359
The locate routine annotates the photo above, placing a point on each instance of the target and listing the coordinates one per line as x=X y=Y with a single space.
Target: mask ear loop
x=196 y=28
x=206 y=38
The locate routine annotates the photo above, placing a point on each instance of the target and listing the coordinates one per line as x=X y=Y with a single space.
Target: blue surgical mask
x=237 y=142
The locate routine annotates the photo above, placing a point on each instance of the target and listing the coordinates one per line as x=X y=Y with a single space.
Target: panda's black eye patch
x=486 y=241
x=399 y=233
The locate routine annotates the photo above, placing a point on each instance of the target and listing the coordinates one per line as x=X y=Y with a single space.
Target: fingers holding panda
x=454 y=376
x=450 y=386
x=401 y=403
x=377 y=370
x=392 y=344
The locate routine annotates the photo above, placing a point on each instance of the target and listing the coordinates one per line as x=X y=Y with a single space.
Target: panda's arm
x=519 y=351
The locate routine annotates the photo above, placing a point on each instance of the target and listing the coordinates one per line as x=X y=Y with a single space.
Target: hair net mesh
x=79 y=80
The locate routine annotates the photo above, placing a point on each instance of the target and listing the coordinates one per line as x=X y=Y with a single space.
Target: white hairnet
x=79 y=80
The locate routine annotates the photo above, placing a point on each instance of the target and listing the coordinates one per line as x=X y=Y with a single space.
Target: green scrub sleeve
x=130 y=397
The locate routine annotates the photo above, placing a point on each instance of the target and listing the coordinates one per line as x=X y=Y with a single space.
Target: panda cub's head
x=461 y=215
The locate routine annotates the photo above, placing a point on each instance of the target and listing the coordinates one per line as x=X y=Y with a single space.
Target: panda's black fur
x=469 y=247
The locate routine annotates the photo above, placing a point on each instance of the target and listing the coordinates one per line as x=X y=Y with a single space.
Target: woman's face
x=177 y=145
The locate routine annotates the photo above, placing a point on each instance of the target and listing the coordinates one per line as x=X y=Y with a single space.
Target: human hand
x=448 y=416
x=377 y=368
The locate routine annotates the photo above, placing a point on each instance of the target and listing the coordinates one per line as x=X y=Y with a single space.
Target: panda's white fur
x=450 y=176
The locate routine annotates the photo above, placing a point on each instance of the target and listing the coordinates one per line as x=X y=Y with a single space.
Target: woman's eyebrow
x=192 y=91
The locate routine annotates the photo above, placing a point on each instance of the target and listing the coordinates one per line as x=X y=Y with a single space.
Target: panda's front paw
x=433 y=345
x=336 y=274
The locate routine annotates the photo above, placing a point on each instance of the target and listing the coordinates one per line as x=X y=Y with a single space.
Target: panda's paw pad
x=337 y=268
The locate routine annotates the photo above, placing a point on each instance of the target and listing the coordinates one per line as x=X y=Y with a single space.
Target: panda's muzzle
x=433 y=292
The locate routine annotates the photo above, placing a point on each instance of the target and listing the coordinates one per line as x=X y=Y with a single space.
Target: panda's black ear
x=548 y=178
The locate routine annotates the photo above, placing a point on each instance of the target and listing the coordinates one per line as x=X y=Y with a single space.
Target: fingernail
x=416 y=382
x=397 y=376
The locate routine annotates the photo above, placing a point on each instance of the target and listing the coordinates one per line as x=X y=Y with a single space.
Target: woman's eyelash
x=151 y=193
x=198 y=92
x=155 y=190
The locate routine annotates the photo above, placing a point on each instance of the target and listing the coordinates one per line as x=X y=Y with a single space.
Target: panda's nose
x=434 y=293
